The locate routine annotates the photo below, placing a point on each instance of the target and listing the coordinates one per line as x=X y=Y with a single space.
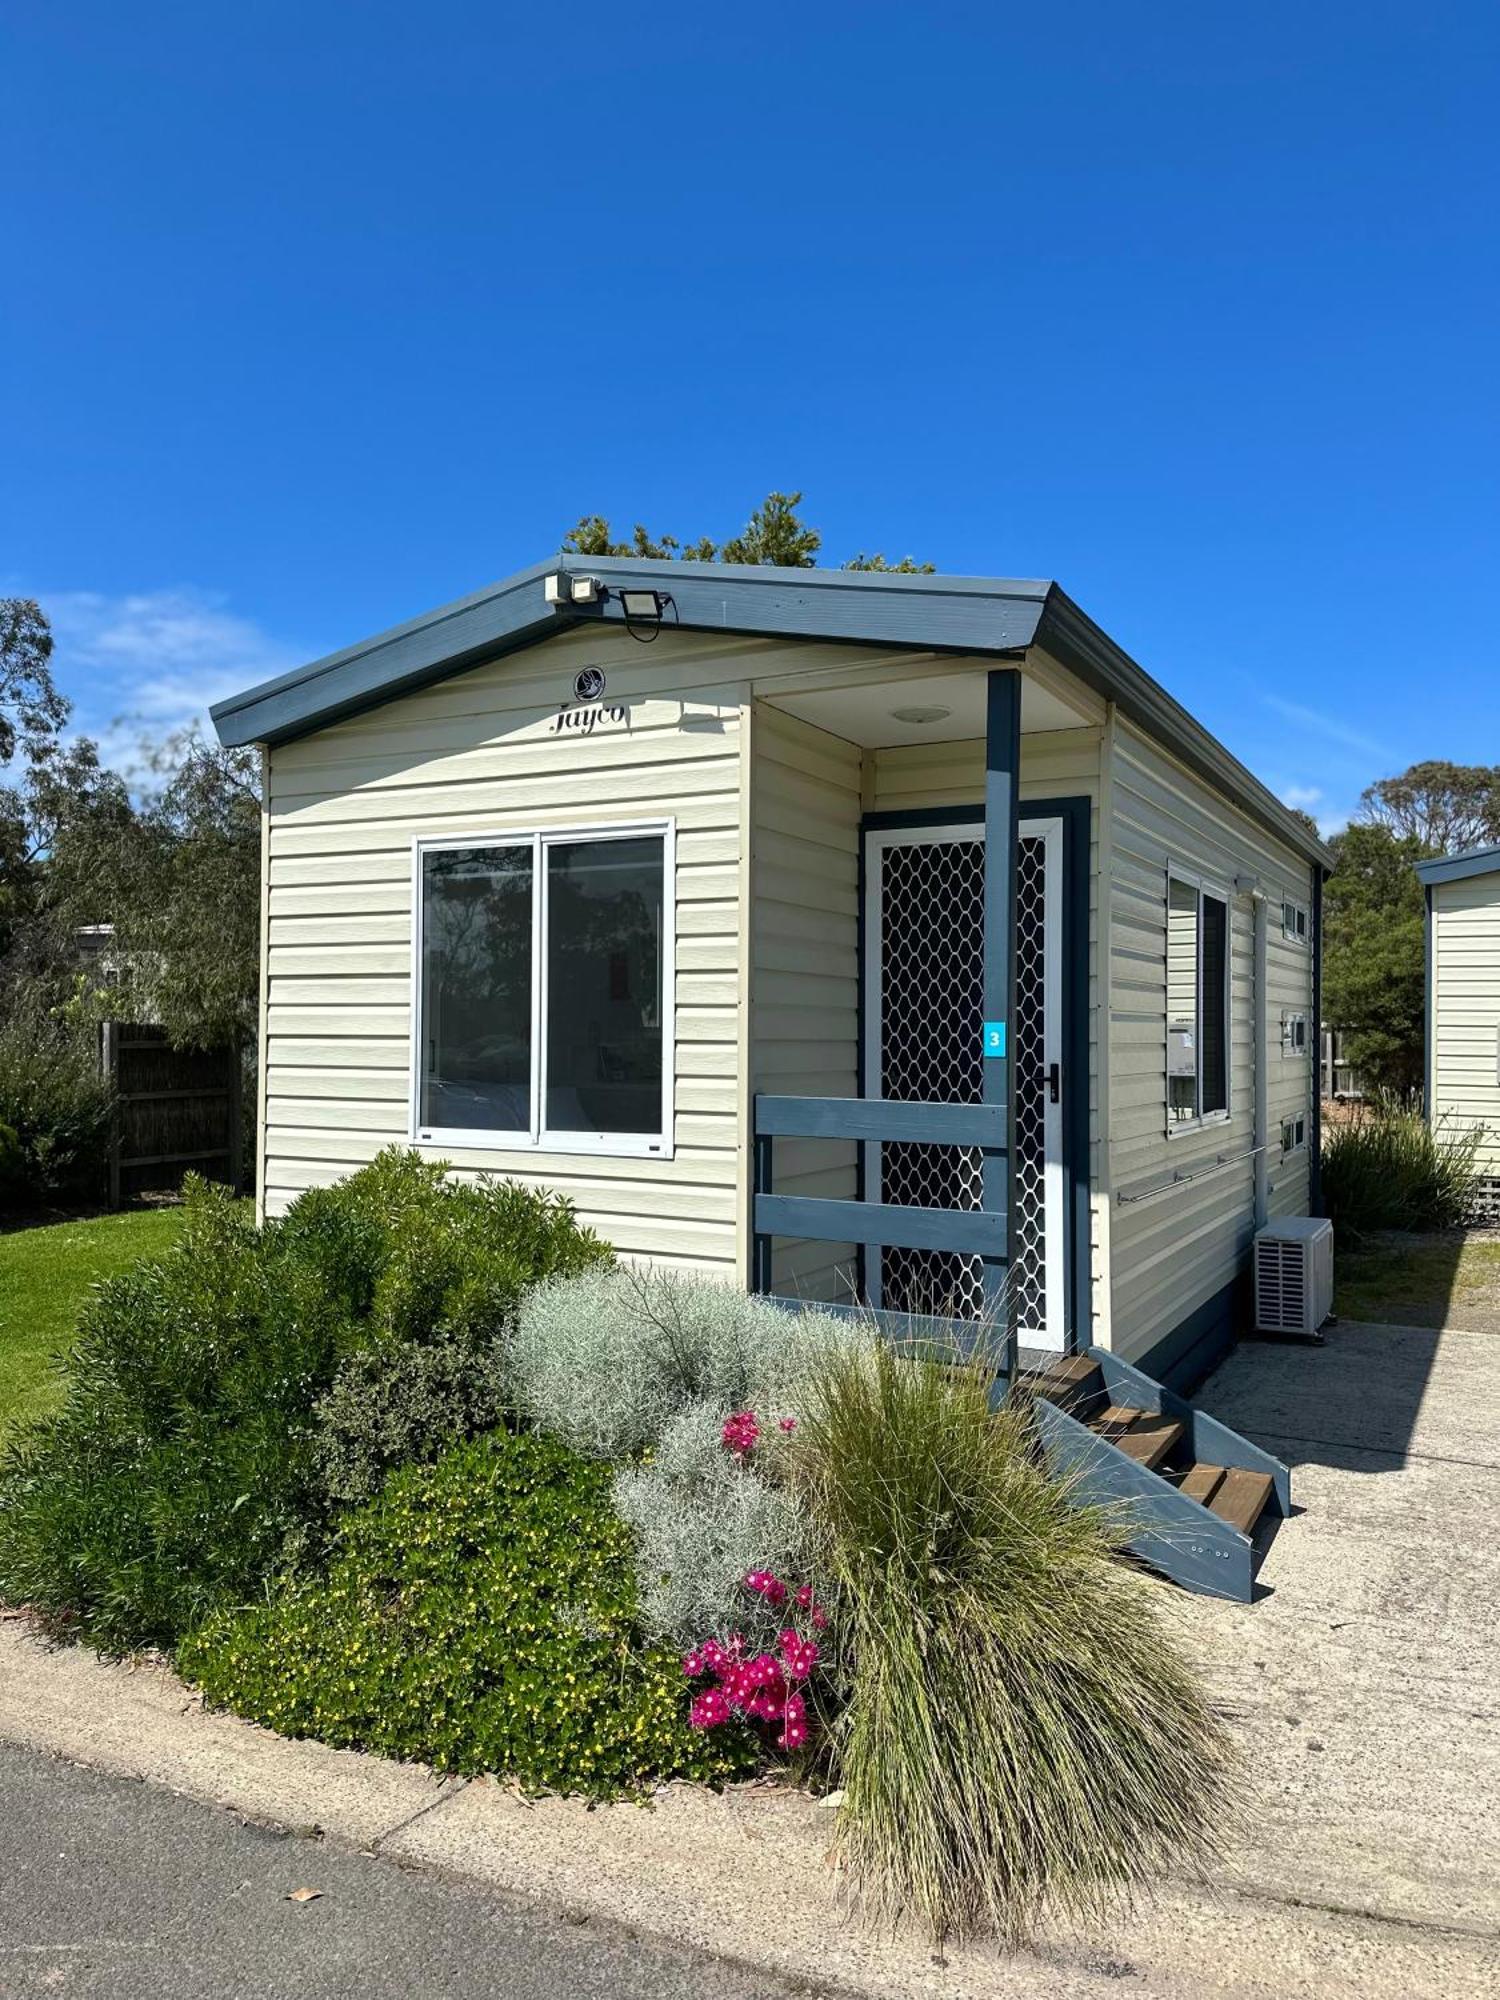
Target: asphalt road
x=116 y=1890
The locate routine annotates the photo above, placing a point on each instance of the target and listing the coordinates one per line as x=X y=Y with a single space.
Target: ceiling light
x=933 y=714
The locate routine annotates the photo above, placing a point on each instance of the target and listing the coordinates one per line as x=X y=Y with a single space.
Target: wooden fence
x=177 y=1110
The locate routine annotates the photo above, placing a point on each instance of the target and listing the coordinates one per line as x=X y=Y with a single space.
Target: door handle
x=1051 y=1077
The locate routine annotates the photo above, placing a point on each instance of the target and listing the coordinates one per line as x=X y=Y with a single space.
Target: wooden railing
x=966 y=1232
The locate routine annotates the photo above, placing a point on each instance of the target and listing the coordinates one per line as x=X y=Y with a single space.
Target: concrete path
x=1367 y=1679
x=1364 y=1683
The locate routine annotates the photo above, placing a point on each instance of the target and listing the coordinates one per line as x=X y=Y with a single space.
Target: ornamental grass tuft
x=1020 y=1733
x=479 y=1615
x=1387 y=1168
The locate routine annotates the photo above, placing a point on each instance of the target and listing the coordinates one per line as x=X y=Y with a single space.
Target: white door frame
x=1049 y=830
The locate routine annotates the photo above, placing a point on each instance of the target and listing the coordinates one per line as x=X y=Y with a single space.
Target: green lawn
x=45 y=1274
x=1421 y=1280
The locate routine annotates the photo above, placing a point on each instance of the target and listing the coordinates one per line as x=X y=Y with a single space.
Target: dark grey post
x=1315 y=1110
x=1001 y=840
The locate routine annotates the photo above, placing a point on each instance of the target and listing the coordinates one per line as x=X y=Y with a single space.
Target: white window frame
x=540 y=1138
x=1290 y=1016
x=1204 y=885
x=1299 y=1139
x=1296 y=931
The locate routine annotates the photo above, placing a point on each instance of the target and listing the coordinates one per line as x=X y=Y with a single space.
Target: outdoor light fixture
x=643 y=612
x=933 y=714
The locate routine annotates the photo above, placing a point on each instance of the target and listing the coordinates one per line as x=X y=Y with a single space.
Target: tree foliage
x=1374 y=969
x=774 y=534
x=175 y=871
x=1448 y=807
x=31 y=709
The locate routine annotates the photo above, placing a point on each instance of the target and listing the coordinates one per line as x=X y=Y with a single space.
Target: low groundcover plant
x=763 y=1686
x=480 y=1616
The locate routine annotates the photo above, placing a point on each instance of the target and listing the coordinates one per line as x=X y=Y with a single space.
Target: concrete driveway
x=1367 y=1676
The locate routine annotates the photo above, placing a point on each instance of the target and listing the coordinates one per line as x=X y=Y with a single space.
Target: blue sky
x=318 y=315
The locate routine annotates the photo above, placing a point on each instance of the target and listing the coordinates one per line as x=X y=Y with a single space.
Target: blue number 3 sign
x=994 y=1041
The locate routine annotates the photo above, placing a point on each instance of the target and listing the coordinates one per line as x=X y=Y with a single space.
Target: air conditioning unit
x=1294 y=1276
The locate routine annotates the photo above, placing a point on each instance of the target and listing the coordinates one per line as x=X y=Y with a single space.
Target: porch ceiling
x=869 y=714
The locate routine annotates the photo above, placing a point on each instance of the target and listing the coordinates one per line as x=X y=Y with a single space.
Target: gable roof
x=1458 y=867
x=998 y=616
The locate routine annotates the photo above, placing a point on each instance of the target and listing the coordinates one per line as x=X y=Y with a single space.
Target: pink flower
x=789 y=1424
x=709 y=1709
x=804 y=1596
x=713 y=1656
x=765 y=1585
x=692 y=1665
x=741 y=1433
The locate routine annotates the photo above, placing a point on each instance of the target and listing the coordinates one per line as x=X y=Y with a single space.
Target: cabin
x=889 y=941
x=1463 y=1005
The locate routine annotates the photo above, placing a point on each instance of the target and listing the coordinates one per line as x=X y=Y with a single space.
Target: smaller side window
x=1293 y=1134
x=1294 y=921
x=1293 y=1033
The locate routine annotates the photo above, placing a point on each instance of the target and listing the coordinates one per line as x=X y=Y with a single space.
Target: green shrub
x=192 y=1454
x=58 y=1106
x=609 y=1359
x=479 y=1616
x=179 y=1468
x=396 y=1404
x=1019 y=1730
x=1388 y=1169
x=423 y=1257
x=12 y=1166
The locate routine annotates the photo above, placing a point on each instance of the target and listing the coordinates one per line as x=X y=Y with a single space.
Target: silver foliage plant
x=606 y=1360
x=702 y=1521
x=641 y=1366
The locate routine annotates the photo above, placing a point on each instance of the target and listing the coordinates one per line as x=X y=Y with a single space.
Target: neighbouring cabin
x=861 y=938
x=1463 y=1005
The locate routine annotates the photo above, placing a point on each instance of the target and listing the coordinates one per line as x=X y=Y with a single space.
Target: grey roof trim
x=986 y=615
x=1459 y=867
x=1073 y=639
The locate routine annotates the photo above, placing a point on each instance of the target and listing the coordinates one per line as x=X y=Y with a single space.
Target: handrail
x=874 y=1118
x=1180 y=1179
x=982 y=1233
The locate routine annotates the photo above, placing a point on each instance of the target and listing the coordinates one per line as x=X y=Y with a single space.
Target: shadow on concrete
x=1352 y=1402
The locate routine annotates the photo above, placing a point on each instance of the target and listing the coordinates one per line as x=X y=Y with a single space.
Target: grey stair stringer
x=1178 y=1528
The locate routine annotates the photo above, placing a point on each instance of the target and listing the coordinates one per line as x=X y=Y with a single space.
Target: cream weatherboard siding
x=1062 y=763
x=478 y=754
x=1464 y=971
x=1172 y=1252
x=805 y=965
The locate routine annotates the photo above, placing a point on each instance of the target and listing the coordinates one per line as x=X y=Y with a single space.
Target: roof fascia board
x=963 y=614
x=1072 y=638
x=1459 y=867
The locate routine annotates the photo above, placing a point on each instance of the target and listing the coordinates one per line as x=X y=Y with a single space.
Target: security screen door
x=924 y=976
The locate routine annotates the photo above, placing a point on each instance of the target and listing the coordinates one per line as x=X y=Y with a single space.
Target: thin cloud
x=1329 y=726
x=1313 y=799
x=141 y=667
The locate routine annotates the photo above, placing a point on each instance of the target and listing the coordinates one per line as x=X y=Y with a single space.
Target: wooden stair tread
x=1202 y=1482
x=1142 y=1435
x=1116 y=1417
x=1070 y=1372
x=1241 y=1497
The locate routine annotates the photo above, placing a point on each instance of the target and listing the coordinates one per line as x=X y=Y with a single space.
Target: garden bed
x=418 y=1468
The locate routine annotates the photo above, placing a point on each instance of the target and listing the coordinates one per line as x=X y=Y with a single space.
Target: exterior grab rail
x=1180 y=1179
